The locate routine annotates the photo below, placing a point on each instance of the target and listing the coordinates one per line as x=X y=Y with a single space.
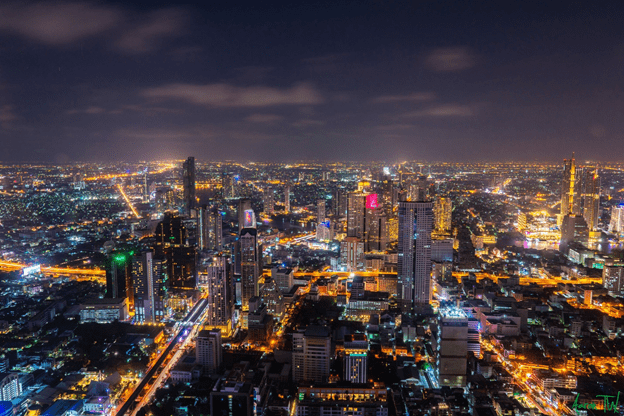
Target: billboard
x=30 y=270
x=250 y=219
x=371 y=201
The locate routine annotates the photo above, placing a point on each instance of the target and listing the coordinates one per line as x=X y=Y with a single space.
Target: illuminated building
x=522 y=221
x=272 y=297
x=232 y=396
x=573 y=229
x=442 y=210
x=244 y=220
x=148 y=280
x=311 y=354
x=287 y=199
x=283 y=278
x=419 y=190
x=339 y=203
x=181 y=257
x=324 y=231
x=227 y=184
x=414 y=254
x=209 y=229
x=10 y=386
x=616 y=225
x=220 y=297
x=613 y=280
x=268 y=201
x=452 y=353
x=250 y=265
x=356 y=212
x=320 y=211
x=356 y=358
x=260 y=323
x=208 y=350
x=352 y=253
x=104 y=311
x=342 y=400
x=119 y=277
x=568 y=187
x=188 y=181
x=590 y=196
x=375 y=237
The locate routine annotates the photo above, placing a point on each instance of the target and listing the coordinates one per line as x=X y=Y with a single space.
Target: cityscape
x=311 y=208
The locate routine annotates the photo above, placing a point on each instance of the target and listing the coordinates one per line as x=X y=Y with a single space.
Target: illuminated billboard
x=30 y=270
x=250 y=219
x=371 y=201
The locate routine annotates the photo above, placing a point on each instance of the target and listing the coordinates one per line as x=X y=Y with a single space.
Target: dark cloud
x=450 y=59
x=147 y=35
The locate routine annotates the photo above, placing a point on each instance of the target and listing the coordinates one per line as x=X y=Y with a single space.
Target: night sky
x=303 y=80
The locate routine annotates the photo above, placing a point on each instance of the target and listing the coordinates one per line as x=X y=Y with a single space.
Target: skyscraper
x=119 y=277
x=268 y=201
x=220 y=296
x=442 y=210
x=250 y=265
x=356 y=358
x=181 y=258
x=188 y=180
x=616 y=225
x=209 y=229
x=376 y=235
x=287 y=199
x=244 y=205
x=208 y=350
x=149 y=279
x=589 y=191
x=567 y=187
x=414 y=254
x=311 y=354
x=452 y=354
x=320 y=211
x=573 y=229
x=356 y=211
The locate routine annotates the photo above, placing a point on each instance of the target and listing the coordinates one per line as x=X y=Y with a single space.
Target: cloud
x=445 y=110
x=417 y=96
x=58 y=23
x=450 y=59
x=158 y=25
x=224 y=95
x=308 y=123
x=88 y=110
x=6 y=115
x=398 y=126
x=264 y=118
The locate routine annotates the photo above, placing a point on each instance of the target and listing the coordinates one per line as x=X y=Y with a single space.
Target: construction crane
x=123 y=194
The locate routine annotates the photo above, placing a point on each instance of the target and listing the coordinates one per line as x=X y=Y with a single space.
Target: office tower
x=356 y=211
x=146 y=192
x=272 y=297
x=220 y=296
x=567 y=187
x=287 y=199
x=119 y=277
x=227 y=184
x=268 y=201
x=442 y=210
x=10 y=388
x=339 y=203
x=573 y=230
x=320 y=211
x=613 y=280
x=590 y=196
x=181 y=258
x=245 y=220
x=209 y=229
x=250 y=265
x=452 y=354
x=375 y=233
x=311 y=354
x=149 y=278
x=284 y=278
x=324 y=231
x=188 y=181
x=260 y=322
x=419 y=189
x=355 y=358
x=352 y=253
x=414 y=254
x=208 y=350
x=616 y=225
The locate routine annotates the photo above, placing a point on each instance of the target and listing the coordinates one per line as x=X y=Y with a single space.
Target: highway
x=187 y=330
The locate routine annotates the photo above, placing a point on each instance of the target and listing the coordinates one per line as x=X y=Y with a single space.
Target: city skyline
x=323 y=81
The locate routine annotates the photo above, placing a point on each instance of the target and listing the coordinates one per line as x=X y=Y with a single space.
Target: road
x=187 y=331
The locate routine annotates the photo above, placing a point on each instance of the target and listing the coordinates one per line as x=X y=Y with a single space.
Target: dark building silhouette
x=181 y=258
x=188 y=181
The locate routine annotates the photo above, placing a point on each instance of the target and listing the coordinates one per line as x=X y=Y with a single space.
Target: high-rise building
x=324 y=231
x=268 y=200
x=356 y=212
x=287 y=199
x=414 y=254
x=311 y=354
x=119 y=277
x=355 y=358
x=568 y=187
x=452 y=354
x=149 y=278
x=573 y=229
x=442 y=210
x=375 y=234
x=208 y=350
x=227 y=184
x=320 y=211
x=244 y=218
x=616 y=225
x=352 y=253
x=284 y=278
x=188 y=181
x=613 y=280
x=220 y=297
x=250 y=265
x=10 y=387
x=146 y=192
x=589 y=192
x=209 y=229
x=181 y=257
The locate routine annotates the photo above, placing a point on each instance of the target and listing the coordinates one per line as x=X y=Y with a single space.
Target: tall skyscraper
x=311 y=354
x=414 y=254
x=250 y=265
x=442 y=210
x=573 y=229
x=244 y=205
x=220 y=296
x=320 y=211
x=146 y=192
x=355 y=358
x=589 y=192
x=119 y=277
x=452 y=354
x=209 y=229
x=188 y=181
x=567 y=187
x=181 y=257
x=208 y=350
x=376 y=235
x=616 y=225
x=268 y=201
x=287 y=199
x=227 y=184
x=149 y=278
x=356 y=211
